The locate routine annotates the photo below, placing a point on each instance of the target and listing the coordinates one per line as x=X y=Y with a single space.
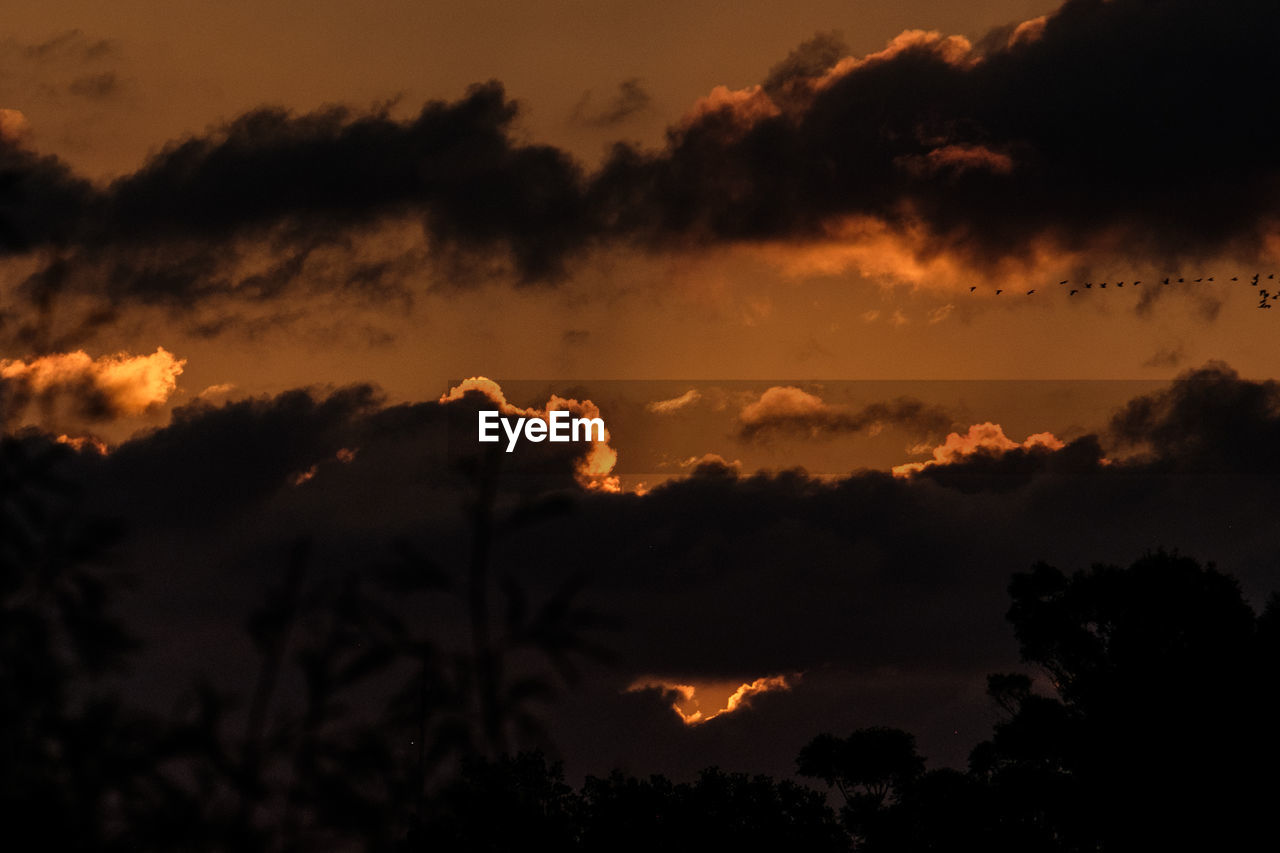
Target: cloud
x=629 y=100
x=595 y=467
x=710 y=463
x=789 y=410
x=1208 y=419
x=1028 y=31
x=220 y=389
x=808 y=62
x=960 y=151
x=1168 y=356
x=69 y=45
x=928 y=160
x=981 y=439
x=675 y=404
x=687 y=700
x=242 y=209
x=231 y=458
x=957 y=159
x=14 y=127
x=95 y=86
x=105 y=388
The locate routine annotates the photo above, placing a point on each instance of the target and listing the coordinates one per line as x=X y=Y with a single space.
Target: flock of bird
x=1265 y=296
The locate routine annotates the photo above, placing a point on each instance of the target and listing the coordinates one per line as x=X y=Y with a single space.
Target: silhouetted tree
x=870 y=768
x=1164 y=709
x=719 y=809
x=75 y=765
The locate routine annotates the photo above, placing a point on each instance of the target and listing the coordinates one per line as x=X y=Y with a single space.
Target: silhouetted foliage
x=1165 y=707
x=719 y=809
x=517 y=802
x=871 y=768
x=73 y=762
x=1154 y=731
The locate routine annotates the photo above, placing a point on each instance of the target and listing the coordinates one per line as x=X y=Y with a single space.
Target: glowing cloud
x=594 y=470
x=82 y=443
x=712 y=460
x=14 y=127
x=119 y=385
x=986 y=438
x=686 y=701
x=1028 y=31
x=675 y=404
x=220 y=390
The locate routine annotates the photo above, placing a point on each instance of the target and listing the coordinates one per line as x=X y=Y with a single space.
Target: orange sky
x=745 y=312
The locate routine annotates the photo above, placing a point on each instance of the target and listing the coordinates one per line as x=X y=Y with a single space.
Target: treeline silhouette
x=1156 y=728
x=1150 y=722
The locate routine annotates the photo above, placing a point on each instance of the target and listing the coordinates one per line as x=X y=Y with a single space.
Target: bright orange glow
x=747 y=106
x=595 y=469
x=14 y=127
x=687 y=698
x=981 y=438
x=83 y=442
x=1028 y=31
x=128 y=384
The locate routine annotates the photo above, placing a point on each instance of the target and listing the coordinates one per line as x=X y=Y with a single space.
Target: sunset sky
x=832 y=273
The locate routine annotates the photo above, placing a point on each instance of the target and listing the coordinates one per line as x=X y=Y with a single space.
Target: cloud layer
x=1089 y=129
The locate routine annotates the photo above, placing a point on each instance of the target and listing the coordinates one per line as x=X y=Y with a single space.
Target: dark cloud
x=887 y=593
x=989 y=470
x=70 y=44
x=41 y=200
x=162 y=233
x=1110 y=121
x=454 y=163
x=1209 y=420
x=1125 y=123
x=231 y=458
x=1170 y=356
x=811 y=59
x=630 y=99
x=95 y=86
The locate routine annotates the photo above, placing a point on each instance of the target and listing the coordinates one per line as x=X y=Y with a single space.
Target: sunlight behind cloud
x=687 y=699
